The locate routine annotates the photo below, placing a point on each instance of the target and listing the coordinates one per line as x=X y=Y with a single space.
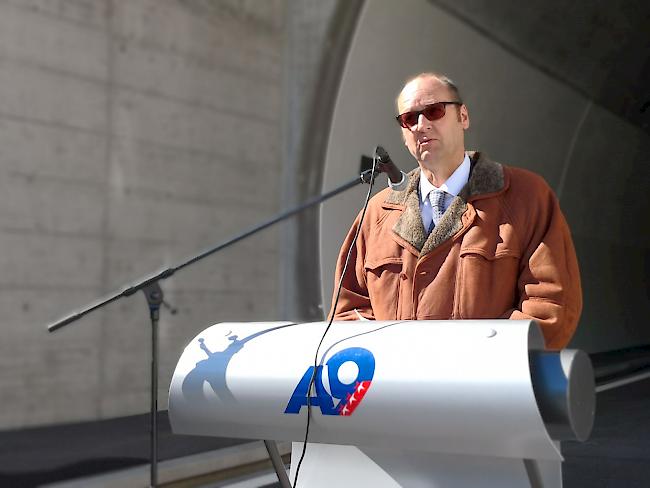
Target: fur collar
x=486 y=177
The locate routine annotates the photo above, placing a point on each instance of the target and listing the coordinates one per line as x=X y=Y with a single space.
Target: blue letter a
x=322 y=399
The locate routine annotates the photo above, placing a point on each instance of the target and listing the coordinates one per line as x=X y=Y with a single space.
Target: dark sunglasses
x=432 y=112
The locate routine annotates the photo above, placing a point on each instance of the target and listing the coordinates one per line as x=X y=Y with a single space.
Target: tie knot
x=437 y=198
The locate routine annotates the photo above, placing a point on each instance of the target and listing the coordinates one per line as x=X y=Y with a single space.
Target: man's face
x=437 y=143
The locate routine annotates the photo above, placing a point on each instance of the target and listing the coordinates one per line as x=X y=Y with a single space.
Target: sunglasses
x=432 y=112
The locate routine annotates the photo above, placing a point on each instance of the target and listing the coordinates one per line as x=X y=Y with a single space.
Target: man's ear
x=463 y=114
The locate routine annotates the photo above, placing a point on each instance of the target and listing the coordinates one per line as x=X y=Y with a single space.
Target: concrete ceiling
x=599 y=47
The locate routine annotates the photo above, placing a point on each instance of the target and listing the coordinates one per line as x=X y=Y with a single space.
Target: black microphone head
x=382 y=155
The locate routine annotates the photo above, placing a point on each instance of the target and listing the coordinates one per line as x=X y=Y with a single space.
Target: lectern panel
x=458 y=387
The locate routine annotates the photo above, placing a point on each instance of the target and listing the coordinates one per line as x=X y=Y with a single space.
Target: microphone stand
x=153 y=292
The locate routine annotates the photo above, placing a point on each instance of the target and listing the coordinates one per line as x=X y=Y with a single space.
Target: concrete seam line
x=572 y=145
x=178 y=468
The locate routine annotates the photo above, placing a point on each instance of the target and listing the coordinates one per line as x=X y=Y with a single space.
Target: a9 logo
x=348 y=391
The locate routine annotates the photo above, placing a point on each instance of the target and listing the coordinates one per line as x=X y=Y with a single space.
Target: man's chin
x=427 y=158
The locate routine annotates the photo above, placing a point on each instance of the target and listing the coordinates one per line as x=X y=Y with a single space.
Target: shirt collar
x=454 y=183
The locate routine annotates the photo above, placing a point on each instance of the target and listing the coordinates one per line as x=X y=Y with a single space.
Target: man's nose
x=423 y=123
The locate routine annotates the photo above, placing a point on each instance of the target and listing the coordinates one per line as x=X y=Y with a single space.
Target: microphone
x=385 y=165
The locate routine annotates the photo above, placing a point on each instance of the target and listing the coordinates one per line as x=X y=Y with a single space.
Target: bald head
x=434 y=78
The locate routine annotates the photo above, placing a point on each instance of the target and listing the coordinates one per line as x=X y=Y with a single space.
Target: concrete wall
x=129 y=133
x=310 y=41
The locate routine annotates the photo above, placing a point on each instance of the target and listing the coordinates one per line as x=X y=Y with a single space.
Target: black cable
x=331 y=319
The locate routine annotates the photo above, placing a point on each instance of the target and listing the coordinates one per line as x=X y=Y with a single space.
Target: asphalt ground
x=31 y=457
x=617 y=454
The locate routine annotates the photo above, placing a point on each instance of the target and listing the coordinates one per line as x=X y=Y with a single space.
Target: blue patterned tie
x=437 y=199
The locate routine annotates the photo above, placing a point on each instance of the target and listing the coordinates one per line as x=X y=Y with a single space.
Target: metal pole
x=278 y=464
x=154 y=295
x=154 y=401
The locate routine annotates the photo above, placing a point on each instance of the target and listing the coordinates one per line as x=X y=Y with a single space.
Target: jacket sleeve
x=354 y=300
x=548 y=285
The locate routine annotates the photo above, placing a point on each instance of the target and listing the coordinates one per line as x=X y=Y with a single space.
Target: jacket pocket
x=486 y=285
x=383 y=278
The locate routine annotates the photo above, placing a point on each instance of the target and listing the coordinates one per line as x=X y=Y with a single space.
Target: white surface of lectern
x=407 y=403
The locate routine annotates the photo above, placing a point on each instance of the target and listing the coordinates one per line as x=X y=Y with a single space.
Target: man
x=468 y=238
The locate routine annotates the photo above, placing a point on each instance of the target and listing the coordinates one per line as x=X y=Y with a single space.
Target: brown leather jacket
x=502 y=250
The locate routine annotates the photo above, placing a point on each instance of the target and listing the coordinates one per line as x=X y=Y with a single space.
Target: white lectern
x=409 y=403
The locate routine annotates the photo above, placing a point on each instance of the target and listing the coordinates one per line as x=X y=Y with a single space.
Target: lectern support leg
x=278 y=464
x=534 y=474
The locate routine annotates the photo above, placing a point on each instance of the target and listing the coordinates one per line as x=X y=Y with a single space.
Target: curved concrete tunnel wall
x=520 y=116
